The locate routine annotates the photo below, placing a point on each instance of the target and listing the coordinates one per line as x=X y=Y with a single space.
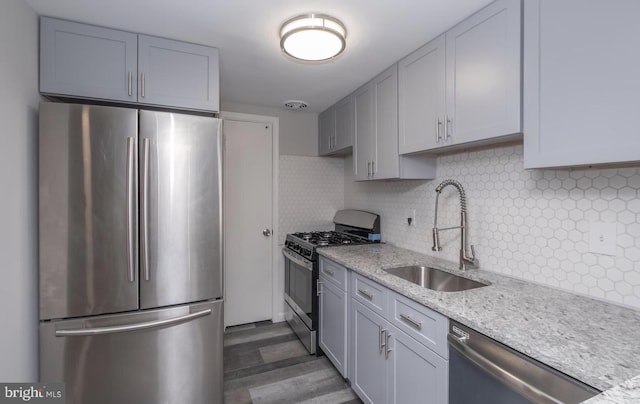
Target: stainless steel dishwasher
x=482 y=370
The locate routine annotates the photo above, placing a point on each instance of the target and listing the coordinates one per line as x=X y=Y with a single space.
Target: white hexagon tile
x=311 y=190
x=529 y=224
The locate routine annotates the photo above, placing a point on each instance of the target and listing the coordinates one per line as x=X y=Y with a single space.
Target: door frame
x=276 y=314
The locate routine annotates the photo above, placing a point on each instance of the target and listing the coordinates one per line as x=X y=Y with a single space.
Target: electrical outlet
x=602 y=238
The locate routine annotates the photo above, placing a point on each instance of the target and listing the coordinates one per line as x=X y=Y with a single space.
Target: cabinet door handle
x=129 y=81
x=386 y=344
x=368 y=168
x=142 y=84
x=417 y=324
x=318 y=284
x=382 y=338
x=366 y=294
x=438 y=123
x=373 y=168
x=447 y=127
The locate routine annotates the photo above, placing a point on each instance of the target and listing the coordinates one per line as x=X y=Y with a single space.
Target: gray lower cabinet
x=397 y=348
x=391 y=367
x=333 y=324
x=333 y=302
x=416 y=374
x=369 y=367
x=89 y=62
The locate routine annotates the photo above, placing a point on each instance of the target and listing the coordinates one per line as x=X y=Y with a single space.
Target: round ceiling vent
x=296 y=105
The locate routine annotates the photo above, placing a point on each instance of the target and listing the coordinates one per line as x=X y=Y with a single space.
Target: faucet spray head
x=436 y=240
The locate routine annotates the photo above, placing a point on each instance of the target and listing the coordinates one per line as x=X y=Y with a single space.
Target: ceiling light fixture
x=313 y=37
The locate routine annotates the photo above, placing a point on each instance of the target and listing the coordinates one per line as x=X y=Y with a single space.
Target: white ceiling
x=253 y=69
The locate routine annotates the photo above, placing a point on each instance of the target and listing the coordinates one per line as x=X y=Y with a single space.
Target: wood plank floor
x=266 y=363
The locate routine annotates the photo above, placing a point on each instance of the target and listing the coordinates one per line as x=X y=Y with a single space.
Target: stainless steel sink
x=435 y=279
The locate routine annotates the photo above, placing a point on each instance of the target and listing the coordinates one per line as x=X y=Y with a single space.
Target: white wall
x=529 y=224
x=298 y=130
x=18 y=179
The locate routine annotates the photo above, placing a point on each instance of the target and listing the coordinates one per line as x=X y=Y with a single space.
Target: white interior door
x=248 y=221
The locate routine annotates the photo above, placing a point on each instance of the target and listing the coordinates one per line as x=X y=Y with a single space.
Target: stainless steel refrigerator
x=130 y=255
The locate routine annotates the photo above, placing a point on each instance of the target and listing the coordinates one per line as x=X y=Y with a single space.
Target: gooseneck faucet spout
x=466 y=261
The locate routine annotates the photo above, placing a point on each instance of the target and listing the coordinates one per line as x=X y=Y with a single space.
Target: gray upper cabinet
x=177 y=73
x=484 y=75
x=326 y=131
x=376 y=134
x=84 y=61
x=364 y=142
x=336 y=127
x=345 y=124
x=464 y=86
x=582 y=88
x=421 y=102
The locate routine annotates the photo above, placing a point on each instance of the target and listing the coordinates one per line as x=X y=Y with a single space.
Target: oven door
x=299 y=283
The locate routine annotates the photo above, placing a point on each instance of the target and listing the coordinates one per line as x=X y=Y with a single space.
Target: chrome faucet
x=465 y=260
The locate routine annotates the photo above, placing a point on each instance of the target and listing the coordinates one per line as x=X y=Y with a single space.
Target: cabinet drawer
x=369 y=293
x=334 y=272
x=425 y=325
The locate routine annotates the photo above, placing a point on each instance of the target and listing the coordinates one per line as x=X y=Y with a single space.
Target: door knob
x=266 y=232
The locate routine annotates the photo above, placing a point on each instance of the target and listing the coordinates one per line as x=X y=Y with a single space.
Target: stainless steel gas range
x=301 y=267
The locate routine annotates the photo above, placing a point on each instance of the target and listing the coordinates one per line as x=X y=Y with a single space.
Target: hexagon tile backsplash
x=529 y=224
x=311 y=190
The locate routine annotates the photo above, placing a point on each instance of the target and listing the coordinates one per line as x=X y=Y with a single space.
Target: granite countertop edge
x=588 y=339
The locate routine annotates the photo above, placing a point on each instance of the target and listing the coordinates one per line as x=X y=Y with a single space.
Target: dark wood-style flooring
x=266 y=363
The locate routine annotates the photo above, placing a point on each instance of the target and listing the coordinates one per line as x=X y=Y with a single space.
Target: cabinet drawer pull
x=417 y=324
x=328 y=271
x=366 y=294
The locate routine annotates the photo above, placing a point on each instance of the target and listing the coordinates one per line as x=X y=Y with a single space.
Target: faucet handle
x=474 y=261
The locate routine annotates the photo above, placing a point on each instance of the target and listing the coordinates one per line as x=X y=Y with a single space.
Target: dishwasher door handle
x=509 y=379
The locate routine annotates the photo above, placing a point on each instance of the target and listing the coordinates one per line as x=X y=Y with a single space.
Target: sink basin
x=435 y=279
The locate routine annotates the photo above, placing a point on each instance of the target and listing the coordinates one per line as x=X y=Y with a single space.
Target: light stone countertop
x=595 y=342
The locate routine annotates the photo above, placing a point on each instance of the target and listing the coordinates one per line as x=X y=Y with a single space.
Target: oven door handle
x=506 y=377
x=290 y=256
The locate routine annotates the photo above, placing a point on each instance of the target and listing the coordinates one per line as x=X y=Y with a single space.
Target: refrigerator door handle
x=145 y=208
x=83 y=332
x=131 y=208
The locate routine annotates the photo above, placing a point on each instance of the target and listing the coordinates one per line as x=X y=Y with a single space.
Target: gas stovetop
x=328 y=238
x=306 y=243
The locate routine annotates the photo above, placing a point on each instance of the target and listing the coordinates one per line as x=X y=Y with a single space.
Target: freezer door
x=88 y=210
x=180 y=209
x=169 y=356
